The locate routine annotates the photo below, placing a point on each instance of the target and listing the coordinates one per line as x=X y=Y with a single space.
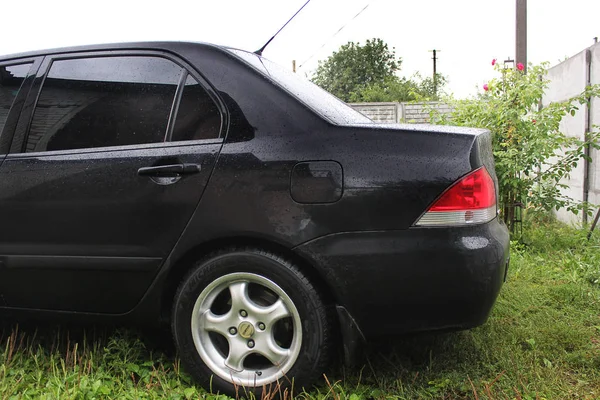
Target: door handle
x=169 y=170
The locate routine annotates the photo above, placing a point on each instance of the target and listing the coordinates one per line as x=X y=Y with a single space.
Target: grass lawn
x=542 y=341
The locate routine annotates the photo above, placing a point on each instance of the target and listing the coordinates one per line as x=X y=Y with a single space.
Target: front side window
x=11 y=79
x=104 y=101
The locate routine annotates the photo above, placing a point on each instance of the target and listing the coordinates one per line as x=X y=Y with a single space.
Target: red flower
x=534 y=121
x=520 y=67
x=485 y=87
x=493 y=62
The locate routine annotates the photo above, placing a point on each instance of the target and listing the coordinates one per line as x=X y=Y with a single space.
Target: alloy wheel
x=246 y=329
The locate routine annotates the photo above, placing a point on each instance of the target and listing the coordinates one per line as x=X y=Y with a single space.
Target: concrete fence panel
x=380 y=112
x=409 y=112
x=567 y=80
x=594 y=166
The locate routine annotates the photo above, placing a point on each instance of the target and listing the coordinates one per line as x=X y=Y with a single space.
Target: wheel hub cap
x=246 y=330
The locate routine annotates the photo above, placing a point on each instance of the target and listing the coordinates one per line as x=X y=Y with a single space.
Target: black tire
x=316 y=330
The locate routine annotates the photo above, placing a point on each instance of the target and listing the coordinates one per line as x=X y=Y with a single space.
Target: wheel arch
x=183 y=264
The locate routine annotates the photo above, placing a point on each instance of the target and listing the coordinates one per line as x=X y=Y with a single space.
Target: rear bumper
x=417 y=279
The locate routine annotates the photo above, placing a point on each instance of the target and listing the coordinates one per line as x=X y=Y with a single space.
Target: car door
x=110 y=165
x=16 y=78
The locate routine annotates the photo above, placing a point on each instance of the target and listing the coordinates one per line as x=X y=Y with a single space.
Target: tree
x=428 y=89
x=354 y=67
x=358 y=73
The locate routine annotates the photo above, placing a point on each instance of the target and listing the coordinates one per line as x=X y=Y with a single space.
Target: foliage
x=532 y=155
x=542 y=341
x=400 y=89
x=367 y=73
x=354 y=67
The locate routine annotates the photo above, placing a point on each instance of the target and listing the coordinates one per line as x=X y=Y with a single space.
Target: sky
x=467 y=33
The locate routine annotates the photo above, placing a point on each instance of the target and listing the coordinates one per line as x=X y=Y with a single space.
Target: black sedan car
x=270 y=224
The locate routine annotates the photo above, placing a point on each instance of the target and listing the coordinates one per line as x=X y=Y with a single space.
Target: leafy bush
x=532 y=155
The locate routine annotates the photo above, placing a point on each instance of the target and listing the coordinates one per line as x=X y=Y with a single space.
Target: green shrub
x=532 y=155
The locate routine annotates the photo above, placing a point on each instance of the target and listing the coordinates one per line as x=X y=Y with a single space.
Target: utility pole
x=434 y=70
x=521 y=33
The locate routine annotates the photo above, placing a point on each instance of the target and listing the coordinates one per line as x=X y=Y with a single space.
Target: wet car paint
x=360 y=247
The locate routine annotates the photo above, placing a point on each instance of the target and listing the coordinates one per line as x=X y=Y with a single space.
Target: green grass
x=542 y=341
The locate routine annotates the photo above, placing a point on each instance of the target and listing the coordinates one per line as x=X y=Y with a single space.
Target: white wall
x=568 y=79
x=594 y=174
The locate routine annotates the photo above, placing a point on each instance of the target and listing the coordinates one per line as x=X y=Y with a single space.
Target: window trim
x=14 y=63
x=109 y=149
x=44 y=68
x=175 y=107
x=14 y=116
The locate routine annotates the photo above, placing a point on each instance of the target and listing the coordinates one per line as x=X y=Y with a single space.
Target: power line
x=338 y=31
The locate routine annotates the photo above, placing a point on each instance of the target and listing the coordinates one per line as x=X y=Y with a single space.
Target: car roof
x=146 y=45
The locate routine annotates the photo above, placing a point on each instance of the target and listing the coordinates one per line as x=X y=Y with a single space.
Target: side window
x=11 y=79
x=104 y=101
x=198 y=116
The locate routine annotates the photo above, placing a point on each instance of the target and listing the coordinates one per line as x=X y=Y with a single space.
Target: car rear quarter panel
x=390 y=173
x=389 y=180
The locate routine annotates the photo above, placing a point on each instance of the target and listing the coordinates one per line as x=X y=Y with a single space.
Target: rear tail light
x=471 y=200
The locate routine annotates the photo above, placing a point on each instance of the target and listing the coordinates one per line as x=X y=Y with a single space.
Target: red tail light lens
x=473 y=192
x=470 y=200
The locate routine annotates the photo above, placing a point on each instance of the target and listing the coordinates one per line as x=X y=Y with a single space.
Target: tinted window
x=198 y=116
x=11 y=78
x=104 y=101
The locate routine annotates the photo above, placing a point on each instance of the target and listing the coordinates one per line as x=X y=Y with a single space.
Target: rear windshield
x=318 y=99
